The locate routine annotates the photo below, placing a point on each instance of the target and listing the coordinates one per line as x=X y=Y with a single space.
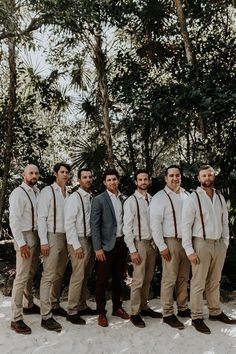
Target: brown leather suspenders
x=173 y=211
x=32 y=207
x=54 y=210
x=201 y=213
x=138 y=215
x=83 y=209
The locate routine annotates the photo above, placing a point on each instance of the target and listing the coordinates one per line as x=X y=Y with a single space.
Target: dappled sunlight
x=6 y=303
x=230 y=331
x=210 y=351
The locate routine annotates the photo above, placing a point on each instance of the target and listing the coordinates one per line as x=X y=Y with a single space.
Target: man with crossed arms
x=165 y=221
x=142 y=250
x=23 y=223
x=78 y=234
x=53 y=246
x=205 y=240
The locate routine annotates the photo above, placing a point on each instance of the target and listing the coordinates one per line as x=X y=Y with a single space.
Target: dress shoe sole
x=103 y=325
x=174 y=326
x=21 y=331
x=138 y=325
x=204 y=332
x=52 y=329
x=75 y=322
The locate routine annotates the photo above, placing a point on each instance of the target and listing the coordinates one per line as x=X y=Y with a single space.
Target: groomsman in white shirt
x=142 y=250
x=165 y=220
x=205 y=240
x=78 y=234
x=53 y=246
x=23 y=223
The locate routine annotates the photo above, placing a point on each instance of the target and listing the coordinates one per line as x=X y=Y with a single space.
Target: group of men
x=188 y=229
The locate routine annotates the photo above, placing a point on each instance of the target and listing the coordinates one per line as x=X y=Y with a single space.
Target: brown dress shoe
x=151 y=313
x=200 y=326
x=222 y=317
x=137 y=321
x=121 y=313
x=75 y=319
x=102 y=320
x=20 y=327
x=51 y=325
x=173 y=322
x=31 y=310
x=88 y=312
x=185 y=313
x=59 y=312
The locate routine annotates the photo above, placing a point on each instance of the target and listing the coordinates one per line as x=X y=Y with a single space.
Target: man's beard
x=207 y=184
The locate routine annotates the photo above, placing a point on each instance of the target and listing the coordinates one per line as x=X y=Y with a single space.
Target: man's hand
x=79 y=253
x=25 y=251
x=194 y=259
x=100 y=255
x=45 y=250
x=135 y=258
x=166 y=255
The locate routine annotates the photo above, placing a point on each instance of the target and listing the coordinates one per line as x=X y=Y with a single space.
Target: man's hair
x=110 y=171
x=58 y=165
x=85 y=169
x=141 y=170
x=204 y=167
x=172 y=166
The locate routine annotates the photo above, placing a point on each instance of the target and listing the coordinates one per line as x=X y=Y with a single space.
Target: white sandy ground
x=120 y=337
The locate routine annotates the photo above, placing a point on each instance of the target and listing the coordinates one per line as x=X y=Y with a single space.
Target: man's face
x=62 y=175
x=142 y=181
x=207 y=177
x=31 y=175
x=86 y=180
x=111 y=183
x=173 y=179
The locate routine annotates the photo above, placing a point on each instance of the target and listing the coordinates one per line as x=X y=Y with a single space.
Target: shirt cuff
x=76 y=244
x=189 y=250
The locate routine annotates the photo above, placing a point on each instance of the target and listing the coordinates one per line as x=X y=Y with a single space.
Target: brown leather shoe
x=102 y=320
x=51 y=325
x=173 y=322
x=121 y=313
x=20 y=327
x=31 y=310
x=151 y=313
x=222 y=317
x=200 y=326
x=185 y=313
x=59 y=312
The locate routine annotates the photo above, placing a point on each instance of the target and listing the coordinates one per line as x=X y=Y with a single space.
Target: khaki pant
x=142 y=276
x=175 y=276
x=206 y=276
x=54 y=266
x=81 y=269
x=25 y=271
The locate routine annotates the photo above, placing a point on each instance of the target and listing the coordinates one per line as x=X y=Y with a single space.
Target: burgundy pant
x=113 y=267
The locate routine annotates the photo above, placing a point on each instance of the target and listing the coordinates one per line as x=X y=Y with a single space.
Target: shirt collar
x=201 y=190
x=139 y=195
x=83 y=192
x=28 y=188
x=168 y=190
x=112 y=195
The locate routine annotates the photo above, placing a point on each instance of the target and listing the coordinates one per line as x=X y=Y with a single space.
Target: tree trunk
x=100 y=63
x=184 y=32
x=9 y=124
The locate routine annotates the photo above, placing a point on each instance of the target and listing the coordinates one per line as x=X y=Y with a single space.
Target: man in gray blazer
x=109 y=246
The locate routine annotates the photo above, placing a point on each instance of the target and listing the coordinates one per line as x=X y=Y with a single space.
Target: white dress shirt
x=131 y=225
x=215 y=219
x=118 y=208
x=161 y=215
x=46 y=212
x=74 y=217
x=21 y=212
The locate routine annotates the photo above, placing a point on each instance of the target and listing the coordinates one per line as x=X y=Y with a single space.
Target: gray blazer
x=103 y=223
